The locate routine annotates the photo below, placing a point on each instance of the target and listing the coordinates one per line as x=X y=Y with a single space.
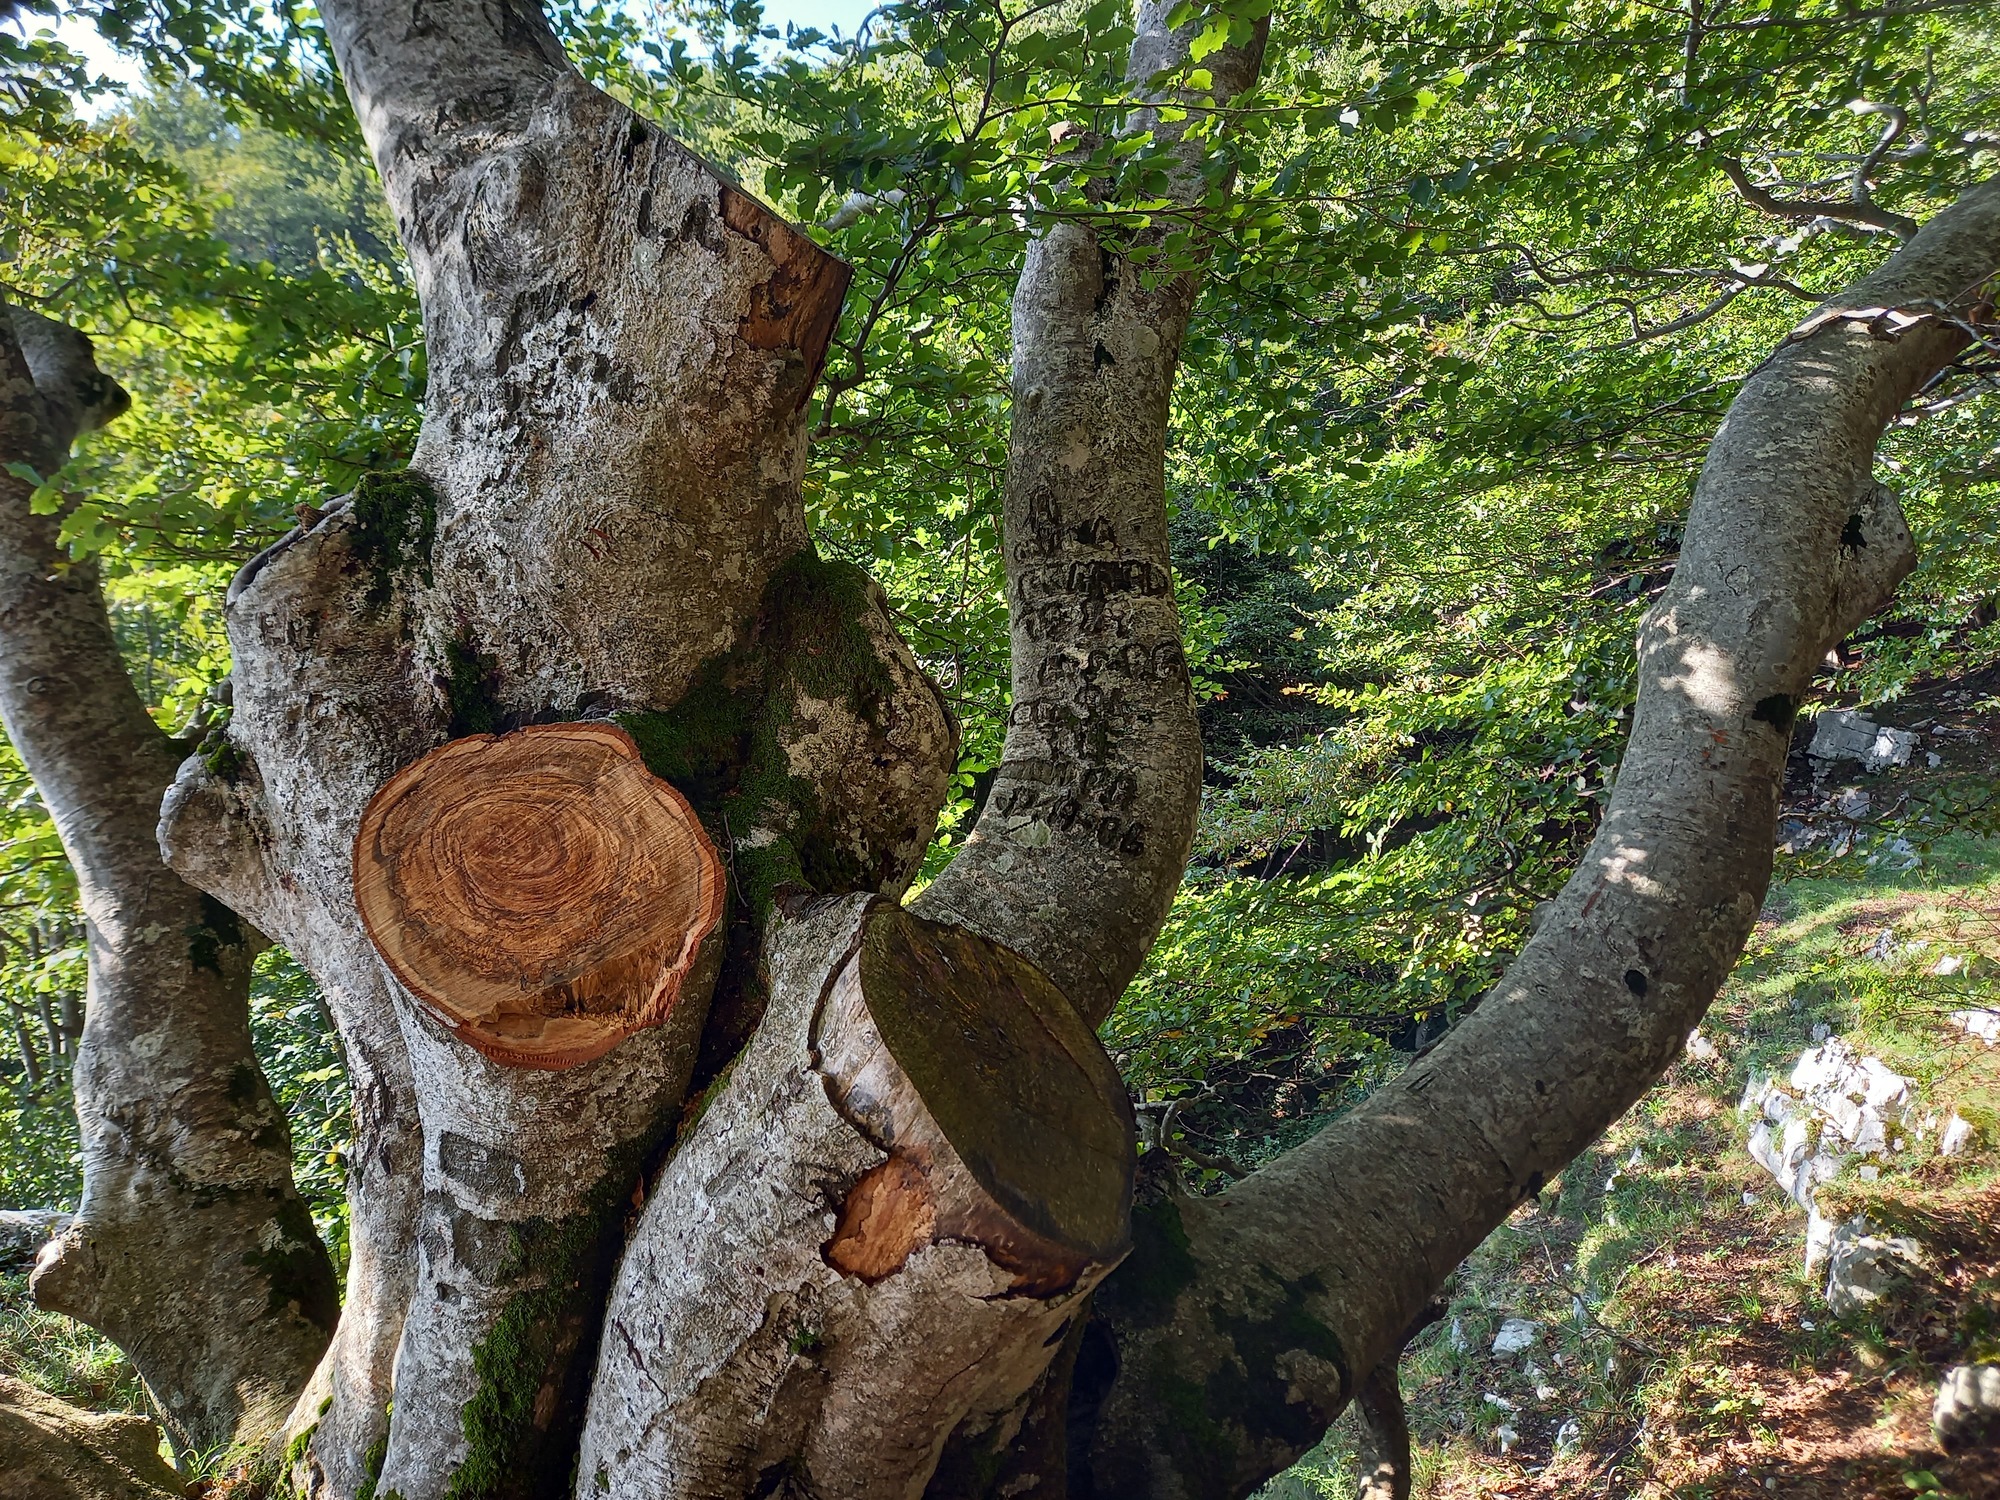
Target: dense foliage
x=1487 y=279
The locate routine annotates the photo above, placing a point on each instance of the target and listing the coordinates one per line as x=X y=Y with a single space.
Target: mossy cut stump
x=916 y=1173
x=1007 y=1125
x=541 y=891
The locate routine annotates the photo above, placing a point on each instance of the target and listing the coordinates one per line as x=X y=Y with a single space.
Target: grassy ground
x=63 y=1358
x=1682 y=1350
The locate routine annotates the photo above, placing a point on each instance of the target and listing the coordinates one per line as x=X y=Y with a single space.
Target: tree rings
x=541 y=891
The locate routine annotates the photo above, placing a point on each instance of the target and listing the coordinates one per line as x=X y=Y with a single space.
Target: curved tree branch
x=1857 y=211
x=1271 y=1299
x=191 y=1249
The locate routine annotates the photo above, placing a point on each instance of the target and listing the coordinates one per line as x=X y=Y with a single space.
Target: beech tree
x=691 y=1158
x=187 y=1159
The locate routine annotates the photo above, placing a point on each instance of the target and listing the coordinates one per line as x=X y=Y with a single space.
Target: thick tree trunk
x=191 y=1249
x=603 y=521
x=1263 y=1305
x=877 y=1233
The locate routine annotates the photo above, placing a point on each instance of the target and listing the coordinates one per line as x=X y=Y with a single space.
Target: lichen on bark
x=816 y=754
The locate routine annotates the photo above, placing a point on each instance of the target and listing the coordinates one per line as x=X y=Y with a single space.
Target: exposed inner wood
x=542 y=891
x=798 y=307
x=888 y=1216
x=963 y=1061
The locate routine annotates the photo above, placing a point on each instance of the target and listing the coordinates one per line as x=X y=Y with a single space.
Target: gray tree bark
x=602 y=521
x=1266 y=1303
x=878 y=1231
x=191 y=1249
x=1085 y=833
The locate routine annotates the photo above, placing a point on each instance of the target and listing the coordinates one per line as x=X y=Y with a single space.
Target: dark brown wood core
x=541 y=891
x=1013 y=1079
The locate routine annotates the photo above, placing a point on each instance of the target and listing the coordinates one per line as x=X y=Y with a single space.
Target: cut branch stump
x=541 y=891
x=878 y=1230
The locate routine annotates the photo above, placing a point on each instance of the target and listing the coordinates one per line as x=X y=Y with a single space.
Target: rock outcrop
x=1967 y=1410
x=23 y=1232
x=1835 y=1107
x=1863 y=1267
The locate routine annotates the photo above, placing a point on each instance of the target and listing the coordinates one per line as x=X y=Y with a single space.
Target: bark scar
x=889 y=1215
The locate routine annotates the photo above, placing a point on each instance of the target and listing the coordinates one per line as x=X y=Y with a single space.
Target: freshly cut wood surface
x=541 y=890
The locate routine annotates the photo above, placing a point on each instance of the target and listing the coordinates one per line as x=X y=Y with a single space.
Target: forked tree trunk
x=191 y=1249
x=861 y=1254
x=603 y=521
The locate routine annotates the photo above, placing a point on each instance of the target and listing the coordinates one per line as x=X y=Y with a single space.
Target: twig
x=1868 y=215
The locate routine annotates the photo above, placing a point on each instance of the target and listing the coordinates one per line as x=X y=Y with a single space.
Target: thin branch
x=1898 y=122
x=1867 y=215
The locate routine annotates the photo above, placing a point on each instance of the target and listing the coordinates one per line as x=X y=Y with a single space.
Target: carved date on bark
x=541 y=891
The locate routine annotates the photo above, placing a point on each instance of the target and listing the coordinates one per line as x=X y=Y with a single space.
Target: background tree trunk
x=192 y=1249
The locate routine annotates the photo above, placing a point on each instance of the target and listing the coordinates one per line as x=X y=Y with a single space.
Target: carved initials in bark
x=542 y=891
x=909 y=1182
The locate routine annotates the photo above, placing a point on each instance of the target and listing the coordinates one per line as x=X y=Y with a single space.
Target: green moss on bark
x=219 y=754
x=395 y=525
x=300 y=1448
x=1214 y=1428
x=724 y=743
x=1143 y=1290
x=371 y=1465
x=534 y=1364
x=471 y=689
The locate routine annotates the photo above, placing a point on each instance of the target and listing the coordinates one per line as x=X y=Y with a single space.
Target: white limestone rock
x=1836 y=1106
x=1967 y=1409
x=1515 y=1335
x=1863 y=1267
x=1843 y=734
x=1983 y=1024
